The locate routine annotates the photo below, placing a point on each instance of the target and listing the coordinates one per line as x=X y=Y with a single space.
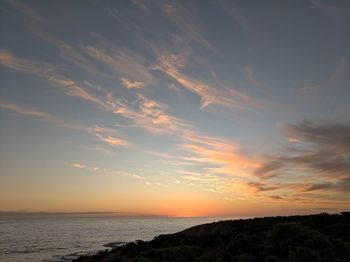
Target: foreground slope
x=313 y=238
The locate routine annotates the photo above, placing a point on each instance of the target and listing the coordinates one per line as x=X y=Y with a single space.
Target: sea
x=63 y=238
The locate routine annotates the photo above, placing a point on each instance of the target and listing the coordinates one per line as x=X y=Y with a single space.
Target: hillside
x=322 y=237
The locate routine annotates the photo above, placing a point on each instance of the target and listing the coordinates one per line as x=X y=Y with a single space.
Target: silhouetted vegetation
x=313 y=238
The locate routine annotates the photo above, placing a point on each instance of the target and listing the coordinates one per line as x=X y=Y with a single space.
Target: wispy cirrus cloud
x=171 y=64
x=131 y=84
x=25 y=9
x=9 y=60
x=73 y=54
x=213 y=155
x=74 y=89
x=199 y=177
x=112 y=141
x=246 y=24
x=124 y=63
x=102 y=134
x=149 y=115
x=225 y=155
x=106 y=171
x=29 y=111
x=33 y=112
x=189 y=25
x=47 y=71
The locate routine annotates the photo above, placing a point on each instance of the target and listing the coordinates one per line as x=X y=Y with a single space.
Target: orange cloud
x=77 y=165
x=112 y=141
x=219 y=152
x=149 y=115
x=131 y=84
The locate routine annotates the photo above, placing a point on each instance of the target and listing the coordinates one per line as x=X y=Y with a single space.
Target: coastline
x=321 y=237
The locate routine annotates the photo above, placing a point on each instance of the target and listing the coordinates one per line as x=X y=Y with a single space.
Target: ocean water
x=62 y=239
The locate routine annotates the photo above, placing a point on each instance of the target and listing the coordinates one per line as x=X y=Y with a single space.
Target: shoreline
x=264 y=238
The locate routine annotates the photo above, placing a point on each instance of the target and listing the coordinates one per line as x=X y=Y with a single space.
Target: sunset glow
x=179 y=108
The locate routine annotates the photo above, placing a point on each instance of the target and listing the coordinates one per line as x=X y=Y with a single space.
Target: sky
x=179 y=108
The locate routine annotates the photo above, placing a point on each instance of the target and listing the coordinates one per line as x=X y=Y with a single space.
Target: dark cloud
x=262 y=187
x=330 y=163
x=334 y=135
x=341 y=185
x=320 y=151
x=268 y=169
x=318 y=148
x=319 y=186
x=276 y=197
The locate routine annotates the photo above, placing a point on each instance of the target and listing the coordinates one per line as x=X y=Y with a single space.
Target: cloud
x=258 y=187
x=140 y=3
x=107 y=172
x=132 y=84
x=74 y=55
x=159 y=154
x=149 y=115
x=202 y=178
x=112 y=141
x=341 y=185
x=33 y=112
x=224 y=156
x=171 y=65
x=319 y=154
x=46 y=71
x=126 y=64
x=74 y=89
x=9 y=60
x=98 y=132
x=311 y=88
x=330 y=135
x=212 y=155
x=322 y=149
x=276 y=197
x=245 y=23
x=187 y=23
x=268 y=169
x=328 y=163
x=26 y=111
x=78 y=165
x=25 y=9
x=105 y=135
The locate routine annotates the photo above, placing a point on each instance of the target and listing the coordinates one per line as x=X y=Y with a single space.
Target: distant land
x=317 y=238
x=8 y=215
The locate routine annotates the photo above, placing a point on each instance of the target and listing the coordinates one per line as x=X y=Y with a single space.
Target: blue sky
x=235 y=107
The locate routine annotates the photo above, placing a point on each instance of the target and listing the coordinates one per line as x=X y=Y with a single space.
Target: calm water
x=63 y=239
